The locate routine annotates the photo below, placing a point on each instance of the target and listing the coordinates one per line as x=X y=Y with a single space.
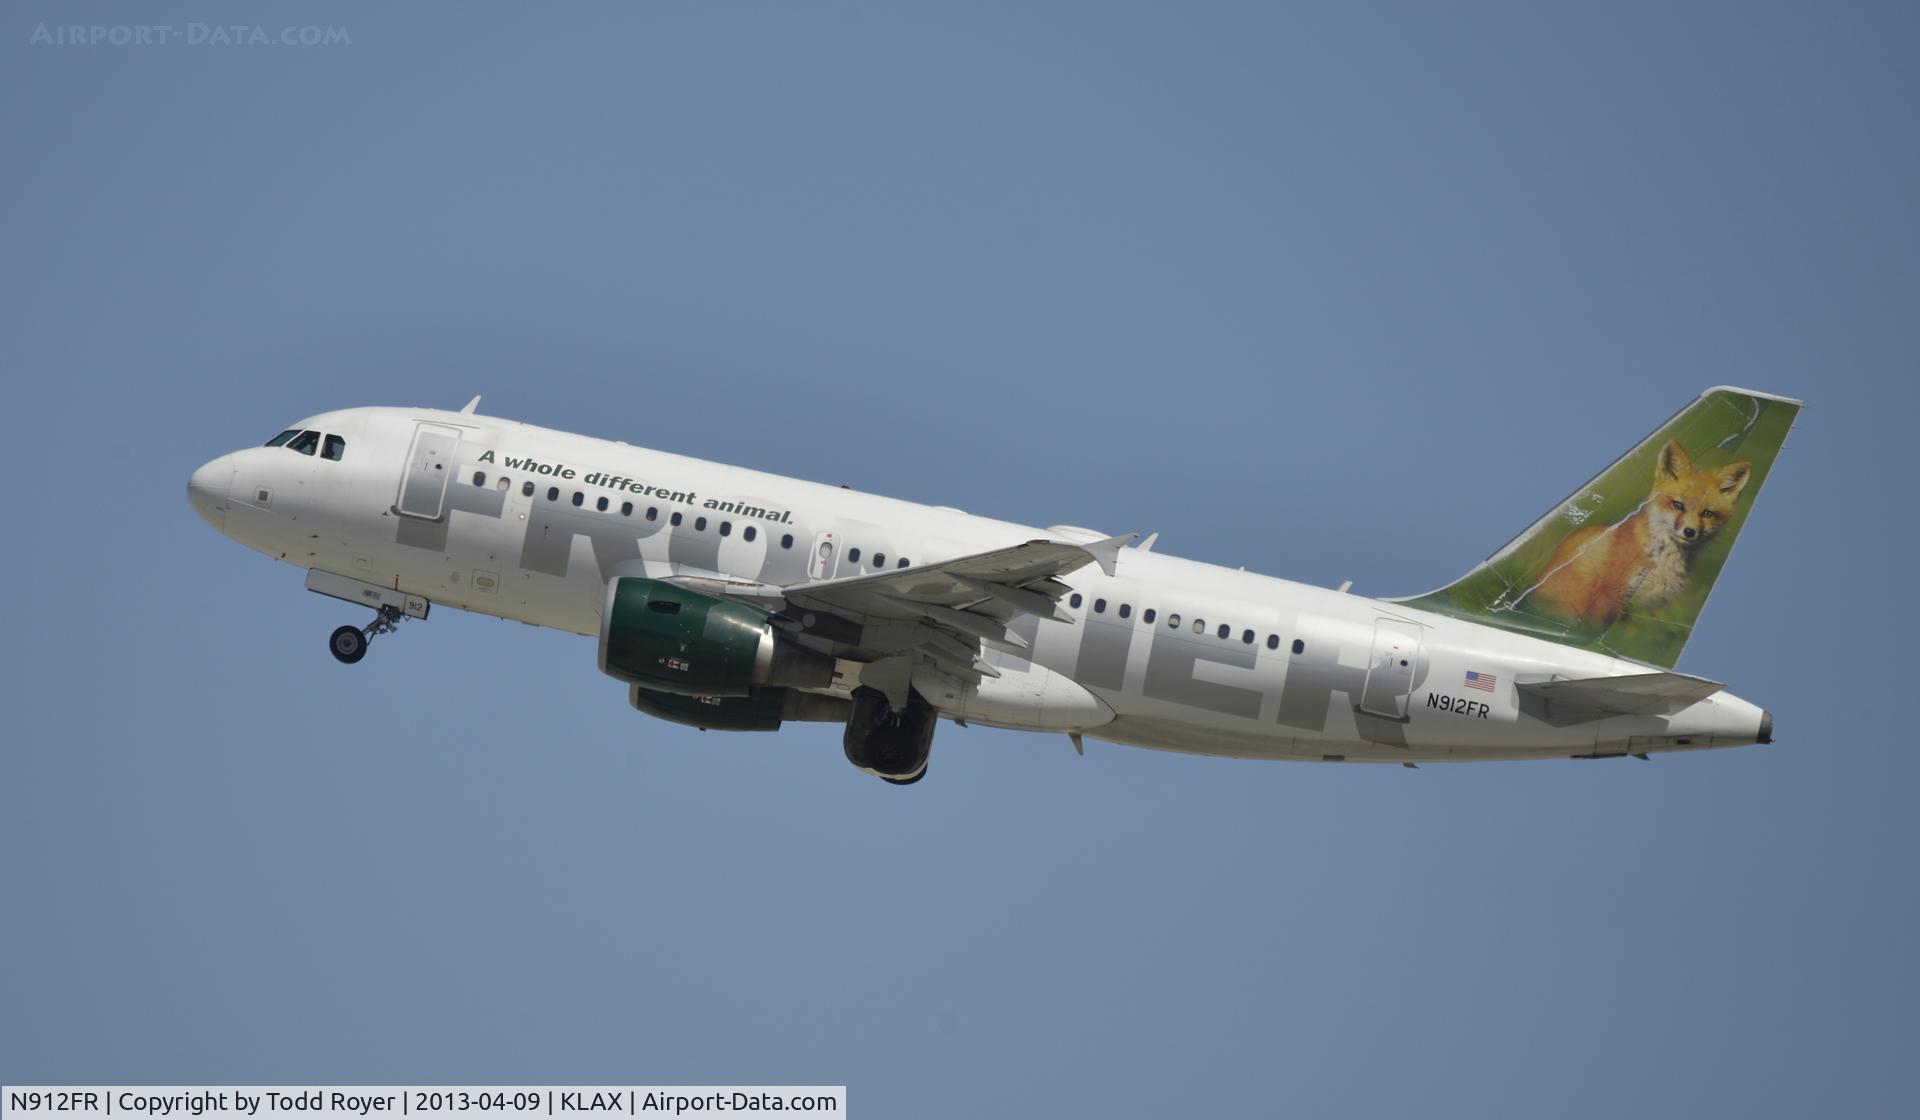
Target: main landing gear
x=890 y=744
x=348 y=644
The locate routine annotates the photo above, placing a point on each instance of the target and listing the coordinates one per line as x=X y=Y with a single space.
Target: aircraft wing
x=946 y=609
x=1642 y=694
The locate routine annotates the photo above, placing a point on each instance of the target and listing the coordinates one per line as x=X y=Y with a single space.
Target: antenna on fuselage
x=471 y=405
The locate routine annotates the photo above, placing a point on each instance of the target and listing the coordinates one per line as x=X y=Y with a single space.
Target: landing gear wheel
x=348 y=645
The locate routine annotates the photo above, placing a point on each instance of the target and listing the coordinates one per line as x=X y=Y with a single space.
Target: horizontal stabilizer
x=1642 y=694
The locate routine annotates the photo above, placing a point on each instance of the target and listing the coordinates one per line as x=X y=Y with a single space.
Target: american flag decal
x=1482 y=681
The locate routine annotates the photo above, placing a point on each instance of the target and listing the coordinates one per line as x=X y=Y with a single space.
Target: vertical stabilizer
x=1625 y=564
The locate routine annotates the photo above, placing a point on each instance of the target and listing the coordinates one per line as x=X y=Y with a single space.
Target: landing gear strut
x=348 y=644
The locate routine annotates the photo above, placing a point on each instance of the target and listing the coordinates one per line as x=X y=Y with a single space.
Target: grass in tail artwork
x=1625 y=564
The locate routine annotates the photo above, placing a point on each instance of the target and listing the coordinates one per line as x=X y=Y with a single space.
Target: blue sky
x=1333 y=292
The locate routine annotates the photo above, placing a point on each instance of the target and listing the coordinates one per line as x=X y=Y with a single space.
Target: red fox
x=1600 y=571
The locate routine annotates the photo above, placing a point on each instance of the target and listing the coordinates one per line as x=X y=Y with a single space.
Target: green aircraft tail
x=1625 y=564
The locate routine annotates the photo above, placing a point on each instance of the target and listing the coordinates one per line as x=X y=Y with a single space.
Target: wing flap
x=946 y=610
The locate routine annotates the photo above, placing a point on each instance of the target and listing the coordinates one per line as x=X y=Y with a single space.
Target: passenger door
x=1396 y=652
x=429 y=466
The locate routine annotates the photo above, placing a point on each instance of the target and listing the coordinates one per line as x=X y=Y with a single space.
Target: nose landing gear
x=348 y=644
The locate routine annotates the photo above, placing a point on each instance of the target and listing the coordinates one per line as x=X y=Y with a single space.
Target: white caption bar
x=468 y=1102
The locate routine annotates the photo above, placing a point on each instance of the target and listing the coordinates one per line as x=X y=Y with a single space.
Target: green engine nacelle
x=757 y=711
x=667 y=639
x=762 y=709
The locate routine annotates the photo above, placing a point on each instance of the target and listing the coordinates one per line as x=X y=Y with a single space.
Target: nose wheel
x=348 y=644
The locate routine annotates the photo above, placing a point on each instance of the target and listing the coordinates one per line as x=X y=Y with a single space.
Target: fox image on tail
x=1600 y=572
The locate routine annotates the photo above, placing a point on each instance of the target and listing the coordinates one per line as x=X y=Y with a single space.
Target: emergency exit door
x=820 y=564
x=423 y=483
x=1396 y=654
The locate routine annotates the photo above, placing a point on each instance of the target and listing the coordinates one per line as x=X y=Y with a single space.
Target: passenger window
x=1126 y=610
x=1225 y=630
x=503 y=485
x=553 y=493
x=479 y=478
x=879 y=559
x=653 y=513
x=579 y=497
x=626 y=509
x=1247 y=637
x=1074 y=600
x=306 y=443
x=902 y=563
x=1199 y=625
x=1147 y=615
x=675 y=519
x=1299 y=646
x=526 y=488
x=786 y=540
x=749 y=533
x=601 y=505
x=281 y=439
x=726 y=528
x=1273 y=641
x=853 y=556
x=336 y=449
x=1099 y=606
x=699 y=524
x=1173 y=620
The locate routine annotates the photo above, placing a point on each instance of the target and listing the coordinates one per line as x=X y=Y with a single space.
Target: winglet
x=1107 y=552
x=471 y=405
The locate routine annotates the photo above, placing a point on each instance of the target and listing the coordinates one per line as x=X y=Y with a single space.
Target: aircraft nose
x=207 y=490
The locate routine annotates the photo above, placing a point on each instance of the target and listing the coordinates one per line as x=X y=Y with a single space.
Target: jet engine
x=667 y=639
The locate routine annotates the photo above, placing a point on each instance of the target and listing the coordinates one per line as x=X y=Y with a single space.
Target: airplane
x=730 y=599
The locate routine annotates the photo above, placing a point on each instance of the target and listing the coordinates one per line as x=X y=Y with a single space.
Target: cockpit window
x=306 y=443
x=283 y=437
x=336 y=449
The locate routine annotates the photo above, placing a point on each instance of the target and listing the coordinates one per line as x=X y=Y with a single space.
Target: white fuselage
x=1164 y=652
